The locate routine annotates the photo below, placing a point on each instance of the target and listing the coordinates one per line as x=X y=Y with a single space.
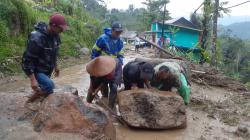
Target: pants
x=137 y=48
x=128 y=84
x=45 y=83
x=109 y=89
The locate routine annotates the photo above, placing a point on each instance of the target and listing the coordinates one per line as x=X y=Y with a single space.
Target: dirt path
x=214 y=113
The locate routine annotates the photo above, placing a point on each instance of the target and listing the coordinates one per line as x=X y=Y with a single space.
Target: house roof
x=182 y=23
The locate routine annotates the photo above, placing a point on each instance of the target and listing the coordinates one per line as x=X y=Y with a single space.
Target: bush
x=17 y=20
x=248 y=85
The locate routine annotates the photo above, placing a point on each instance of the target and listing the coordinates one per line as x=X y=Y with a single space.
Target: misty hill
x=241 y=29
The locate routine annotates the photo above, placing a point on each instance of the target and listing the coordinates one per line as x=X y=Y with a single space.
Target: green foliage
x=248 y=85
x=236 y=57
x=17 y=20
x=17 y=16
x=205 y=54
x=218 y=52
x=3 y=32
x=154 y=11
x=206 y=24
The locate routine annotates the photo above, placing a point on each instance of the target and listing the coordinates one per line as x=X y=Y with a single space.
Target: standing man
x=137 y=44
x=40 y=57
x=136 y=74
x=109 y=44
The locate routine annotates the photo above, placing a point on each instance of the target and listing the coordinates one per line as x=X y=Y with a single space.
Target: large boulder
x=152 y=109
x=67 y=113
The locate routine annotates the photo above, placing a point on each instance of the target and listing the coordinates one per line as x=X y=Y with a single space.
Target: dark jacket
x=40 y=55
x=131 y=72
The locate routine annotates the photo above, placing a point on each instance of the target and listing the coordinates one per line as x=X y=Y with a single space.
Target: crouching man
x=136 y=74
x=40 y=57
x=104 y=71
x=169 y=75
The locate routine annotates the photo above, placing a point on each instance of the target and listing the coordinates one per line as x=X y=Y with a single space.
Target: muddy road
x=213 y=114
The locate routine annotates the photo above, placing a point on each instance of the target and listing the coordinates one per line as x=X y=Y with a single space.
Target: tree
x=218 y=11
x=131 y=9
x=196 y=20
x=206 y=26
x=154 y=10
x=236 y=56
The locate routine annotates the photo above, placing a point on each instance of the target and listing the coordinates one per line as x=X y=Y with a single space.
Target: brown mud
x=215 y=113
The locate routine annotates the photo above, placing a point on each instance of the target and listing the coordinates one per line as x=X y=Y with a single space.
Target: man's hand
x=34 y=84
x=134 y=87
x=56 y=72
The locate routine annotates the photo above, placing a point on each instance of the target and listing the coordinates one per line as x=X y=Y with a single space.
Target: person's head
x=146 y=71
x=163 y=73
x=57 y=24
x=116 y=29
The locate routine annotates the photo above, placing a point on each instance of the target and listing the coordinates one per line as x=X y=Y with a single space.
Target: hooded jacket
x=106 y=45
x=40 y=55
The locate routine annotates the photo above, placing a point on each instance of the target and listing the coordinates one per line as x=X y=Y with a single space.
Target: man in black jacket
x=136 y=74
x=40 y=56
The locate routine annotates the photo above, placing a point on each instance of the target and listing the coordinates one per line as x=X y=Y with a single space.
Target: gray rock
x=84 y=51
x=152 y=109
x=242 y=131
x=1 y=75
x=78 y=47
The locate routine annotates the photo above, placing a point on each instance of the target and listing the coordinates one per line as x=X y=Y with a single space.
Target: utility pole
x=163 y=23
x=215 y=20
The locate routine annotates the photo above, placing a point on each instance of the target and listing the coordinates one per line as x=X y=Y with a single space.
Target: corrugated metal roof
x=181 y=22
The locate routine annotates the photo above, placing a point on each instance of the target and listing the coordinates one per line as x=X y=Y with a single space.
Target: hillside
x=240 y=29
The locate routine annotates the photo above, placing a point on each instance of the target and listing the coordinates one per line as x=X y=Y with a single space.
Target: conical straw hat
x=101 y=66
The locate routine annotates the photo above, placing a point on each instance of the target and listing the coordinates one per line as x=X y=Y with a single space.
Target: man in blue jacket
x=108 y=44
x=40 y=57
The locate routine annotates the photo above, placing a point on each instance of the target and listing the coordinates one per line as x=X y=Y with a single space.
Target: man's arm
x=120 y=54
x=97 y=48
x=29 y=59
x=56 y=69
x=34 y=84
x=147 y=83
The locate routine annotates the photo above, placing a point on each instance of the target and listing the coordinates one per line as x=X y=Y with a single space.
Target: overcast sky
x=179 y=8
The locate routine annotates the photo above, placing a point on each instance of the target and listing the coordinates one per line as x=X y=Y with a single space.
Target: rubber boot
x=112 y=95
x=90 y=95
x=105 y=90
x=35 y=96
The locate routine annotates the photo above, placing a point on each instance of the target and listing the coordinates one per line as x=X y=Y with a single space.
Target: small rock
x=77 y=47
x=1 y=75
x=84 y=51
x=242 y=131
x=211 y=116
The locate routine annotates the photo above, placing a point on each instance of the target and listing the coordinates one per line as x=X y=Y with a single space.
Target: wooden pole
x=156 y=46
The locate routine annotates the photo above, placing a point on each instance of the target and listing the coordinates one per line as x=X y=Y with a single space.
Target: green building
x=179 y=33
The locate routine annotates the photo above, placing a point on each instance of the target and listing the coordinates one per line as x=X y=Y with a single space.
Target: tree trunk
x=215 y=19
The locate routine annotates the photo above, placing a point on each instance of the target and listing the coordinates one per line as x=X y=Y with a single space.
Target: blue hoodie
x=106 y=45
